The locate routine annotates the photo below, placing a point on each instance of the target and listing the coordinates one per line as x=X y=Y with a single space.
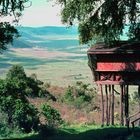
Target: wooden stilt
x=106 y=91
x=112 y=106
x=109 y=106
x=139 y=100
x=121 y=106
x=102 y=104
x=126 y=106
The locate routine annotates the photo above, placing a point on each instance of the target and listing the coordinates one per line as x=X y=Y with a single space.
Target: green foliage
x=68 y=97
x=105 y=19
x=5 y=130
x=52 y=116
x=16 y=71
x=13 y=102
x=9 y=6
x=79 y=95
x=20 y=113
x=135 y=97
x=7 y=31
x=33 y=87
x=19 y=82
x=26 y=116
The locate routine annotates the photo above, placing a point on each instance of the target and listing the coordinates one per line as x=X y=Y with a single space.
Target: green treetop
x=7 y=31
x=105 y=19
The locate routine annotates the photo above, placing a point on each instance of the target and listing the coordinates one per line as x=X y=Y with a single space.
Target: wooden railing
x=133 y=122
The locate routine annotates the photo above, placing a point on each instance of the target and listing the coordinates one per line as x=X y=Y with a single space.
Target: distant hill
x=50 y=37
x=47 y=30
x=20 y=43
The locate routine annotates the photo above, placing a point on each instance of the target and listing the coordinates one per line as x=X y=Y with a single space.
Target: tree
x=22 y=84
x=16 y=71
x=13 y=101
x=51 y=115
x=7 y=31
x=102 y=18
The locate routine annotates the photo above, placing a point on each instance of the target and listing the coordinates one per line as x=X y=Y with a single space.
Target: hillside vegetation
x=33 y=109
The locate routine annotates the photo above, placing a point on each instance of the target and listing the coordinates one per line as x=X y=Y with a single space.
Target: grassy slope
x=84 y=133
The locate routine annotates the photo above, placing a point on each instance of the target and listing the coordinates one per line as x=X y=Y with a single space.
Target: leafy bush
x=13 y=102
x=52 y=116
x=4 y=128
x=135 y=97
x=16 y=71
x=30 y=86
x=44 y=93
x=79 y=95
x=26 y=116
x=47 y=85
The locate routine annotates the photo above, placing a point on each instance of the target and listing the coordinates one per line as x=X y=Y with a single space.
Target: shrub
x=52 y=116
x=13 y=90
x=68 y=97
x=79 y=95
x=5 y=131
x=16 y=71
x=135 y=97
x=25 y=116
x=44 y=93
x=30 y=86
x=47 y=85
x=33 y=86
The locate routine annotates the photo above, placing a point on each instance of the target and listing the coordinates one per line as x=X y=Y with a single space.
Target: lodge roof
x=122 y=47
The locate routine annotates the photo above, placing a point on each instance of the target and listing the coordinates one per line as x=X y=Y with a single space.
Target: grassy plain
x=57 y=68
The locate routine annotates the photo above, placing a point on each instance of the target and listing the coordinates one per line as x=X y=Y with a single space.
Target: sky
x=41 y=13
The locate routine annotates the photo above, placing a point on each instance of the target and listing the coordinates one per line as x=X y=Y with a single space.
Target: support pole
x=121 y=105
x=109 y=106
x=126 y=106
x=102 y=103
x=139 y=100
x=112 y=106
x=106 y=91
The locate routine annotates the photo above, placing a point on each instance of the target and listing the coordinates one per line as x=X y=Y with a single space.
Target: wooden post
x=139 y=100
x=102 y=103
x=121 y=106
x=106 y=91
x=109 y=106
x=112 y=106
x=126 y=106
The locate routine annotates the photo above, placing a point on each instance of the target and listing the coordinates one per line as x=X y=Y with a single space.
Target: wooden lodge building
x=119 y=65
